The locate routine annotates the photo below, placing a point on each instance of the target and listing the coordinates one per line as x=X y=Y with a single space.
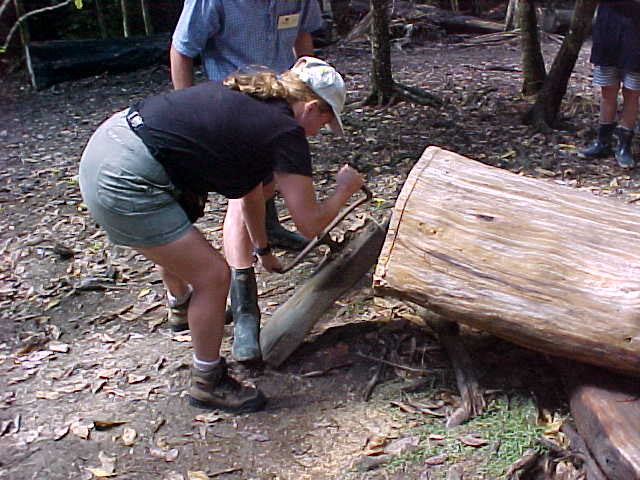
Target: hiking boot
x=624 y=156
x=177 y=317
x=246 y=315
x=215 y=389
x=601 y=146
x=277 y=235
x=178 y=308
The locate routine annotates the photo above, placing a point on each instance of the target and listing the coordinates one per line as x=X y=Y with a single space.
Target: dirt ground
x=92 y=382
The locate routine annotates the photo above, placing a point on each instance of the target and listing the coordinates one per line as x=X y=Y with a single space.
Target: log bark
x=606 y=410
x=286 y=330
x=547 y=267
x=62 y=60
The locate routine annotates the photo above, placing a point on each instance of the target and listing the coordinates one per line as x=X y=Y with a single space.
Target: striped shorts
x=613 y=76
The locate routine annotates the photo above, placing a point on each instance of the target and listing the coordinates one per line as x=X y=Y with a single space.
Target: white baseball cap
x=327 y=83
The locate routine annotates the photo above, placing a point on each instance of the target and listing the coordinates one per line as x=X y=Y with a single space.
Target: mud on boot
x=216 y=389
x=277 y=235
x=624 y=156
x=246 y=315
x=601 y=146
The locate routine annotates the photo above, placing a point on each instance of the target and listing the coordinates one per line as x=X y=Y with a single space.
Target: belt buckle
x=135 y=119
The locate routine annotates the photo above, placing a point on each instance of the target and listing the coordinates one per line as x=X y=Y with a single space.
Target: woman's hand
x=269 y=262
x=349 y=179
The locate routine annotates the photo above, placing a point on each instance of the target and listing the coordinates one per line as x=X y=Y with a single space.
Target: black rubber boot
x=246 y=315
x=279 y=236
x=601 y=146
x=624 y=156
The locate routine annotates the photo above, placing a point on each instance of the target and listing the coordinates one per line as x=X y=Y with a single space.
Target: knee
x=214 y=275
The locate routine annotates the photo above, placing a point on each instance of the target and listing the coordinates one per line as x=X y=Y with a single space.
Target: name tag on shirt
x=288 y=21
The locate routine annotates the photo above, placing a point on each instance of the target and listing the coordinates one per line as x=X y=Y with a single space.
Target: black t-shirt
x=213 y=139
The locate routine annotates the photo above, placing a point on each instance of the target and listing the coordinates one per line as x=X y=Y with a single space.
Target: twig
x=523 y=464
x=225 y=471
x=371 y=384
x=3 y=6
x=397 y=365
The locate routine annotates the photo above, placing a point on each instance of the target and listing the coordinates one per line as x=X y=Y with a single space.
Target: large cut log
x=547 y=267
x=62 y=60
x=606 y=410
x=285 y=331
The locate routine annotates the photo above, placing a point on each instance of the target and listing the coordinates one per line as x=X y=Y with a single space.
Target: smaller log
x=288 y=327
x=468 y=25
x=61 y=60
x=606 y=410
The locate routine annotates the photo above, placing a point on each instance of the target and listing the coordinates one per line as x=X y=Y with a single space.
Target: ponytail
x=265 y=84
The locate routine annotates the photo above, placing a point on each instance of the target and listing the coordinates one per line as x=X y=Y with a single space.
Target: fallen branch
x=371 y=384
x=472 y=400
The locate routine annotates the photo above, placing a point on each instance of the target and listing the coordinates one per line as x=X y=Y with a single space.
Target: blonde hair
x=265 y=84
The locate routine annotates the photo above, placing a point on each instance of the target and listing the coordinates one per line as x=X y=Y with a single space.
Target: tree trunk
x=533 y=71
x=381 y=76
x=511 y=16
x=555 y=20
x=544 y=266
x=545 y=110
x=148 y=27
x=100 y=19
x=125 y=18
x=342 y=16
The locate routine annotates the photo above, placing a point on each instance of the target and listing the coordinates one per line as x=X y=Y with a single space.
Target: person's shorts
x=613 y=76
x=127 y=191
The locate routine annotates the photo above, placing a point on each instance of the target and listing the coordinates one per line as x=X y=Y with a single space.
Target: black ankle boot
x=601 y=146
x=624 y=157
x=278 y=235
x=246 y=315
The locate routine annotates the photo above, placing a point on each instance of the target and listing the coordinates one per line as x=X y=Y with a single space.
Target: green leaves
x=78 y=4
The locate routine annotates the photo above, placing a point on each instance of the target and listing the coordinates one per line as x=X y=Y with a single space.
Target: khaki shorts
x=127 y=191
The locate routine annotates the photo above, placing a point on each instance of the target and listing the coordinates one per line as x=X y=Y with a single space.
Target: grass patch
x=509 y=426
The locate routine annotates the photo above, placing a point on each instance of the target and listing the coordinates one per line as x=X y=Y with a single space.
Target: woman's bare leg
x=193 y=260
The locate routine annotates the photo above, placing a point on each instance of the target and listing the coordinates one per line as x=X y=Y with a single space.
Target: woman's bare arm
x=309 y=215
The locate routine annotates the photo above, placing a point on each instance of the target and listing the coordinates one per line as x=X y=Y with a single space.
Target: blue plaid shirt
x=230 y=34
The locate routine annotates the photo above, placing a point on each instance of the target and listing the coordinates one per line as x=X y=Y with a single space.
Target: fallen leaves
x=107 y=466
x=81 y=430
x=472 y=440
x=129 y=436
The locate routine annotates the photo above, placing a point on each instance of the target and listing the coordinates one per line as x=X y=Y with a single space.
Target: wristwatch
x=261 y=252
